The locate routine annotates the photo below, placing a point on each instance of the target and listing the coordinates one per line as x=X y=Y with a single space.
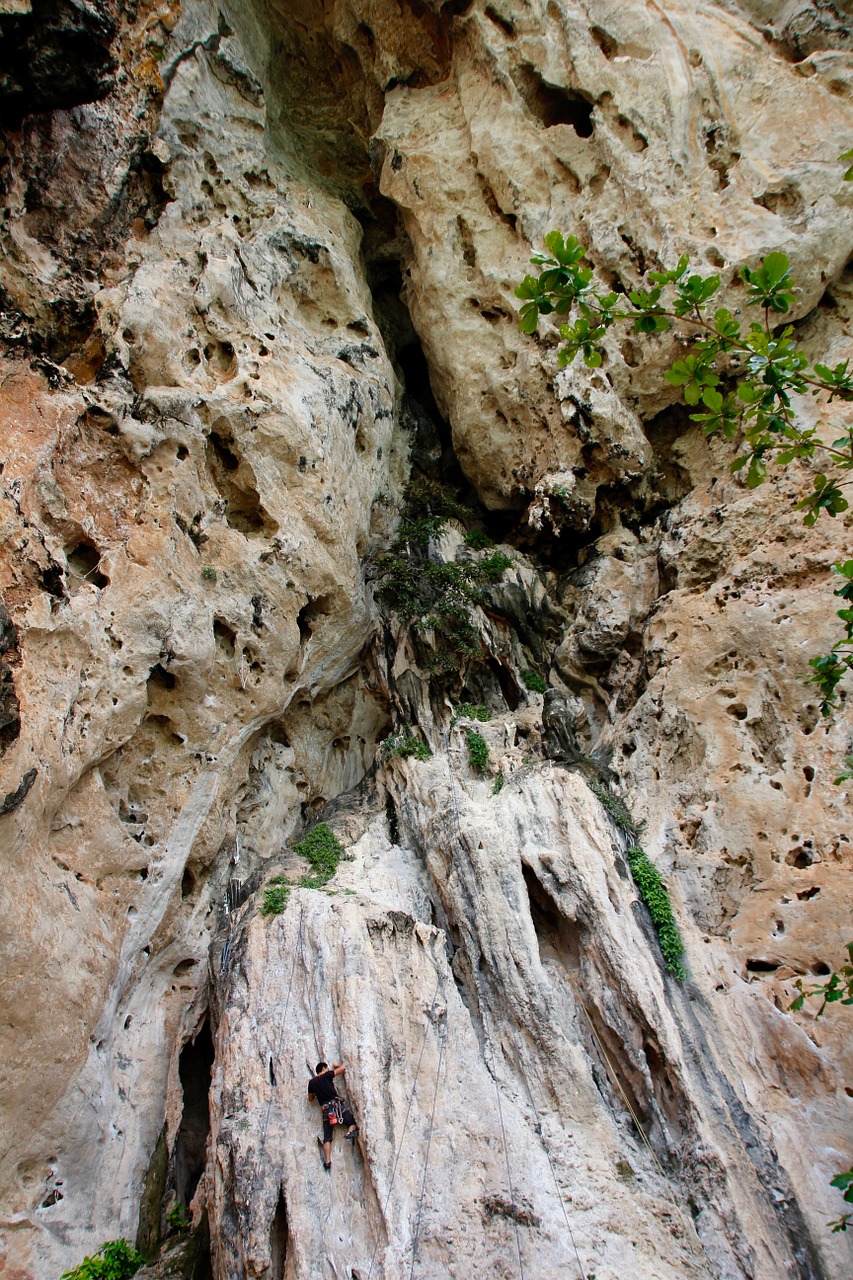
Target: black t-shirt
x=323 y=1087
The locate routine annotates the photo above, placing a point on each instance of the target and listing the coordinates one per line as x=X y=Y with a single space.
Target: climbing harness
x=517 y=1051
x=333 y=1112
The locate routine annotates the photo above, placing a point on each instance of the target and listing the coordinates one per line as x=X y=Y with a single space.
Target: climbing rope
x=510 y=1024
x=318 y=1056
x=626 y=1100
x=297 y=949
x=441 y=1048
x=408 y=1111
x=483 y=1006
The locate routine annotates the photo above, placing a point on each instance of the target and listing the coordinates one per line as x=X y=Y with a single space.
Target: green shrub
x=323 y=850
x=533 y=682
x=470 y=711
x=653 y=892
x=275 y=898
x=430 y=596
x=209 y=573
x=478 y=540
x=615 y=808
x=498 y=785
x=115 y=1260
x=478 y=751
x=178 y=1217
x=404 y=744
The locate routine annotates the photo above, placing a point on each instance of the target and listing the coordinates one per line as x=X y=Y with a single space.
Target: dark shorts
x=329 y=1129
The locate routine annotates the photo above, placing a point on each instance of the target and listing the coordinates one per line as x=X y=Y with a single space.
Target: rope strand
x=442 y=1044
x=406 y=1119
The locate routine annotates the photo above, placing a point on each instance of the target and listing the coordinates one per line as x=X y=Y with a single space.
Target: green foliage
x=846 y=773
x=275 y=897
x=478 y=540
x=615 y=808
x=209 y=573
x=533 y=682
x=847 y=155
x=404 y=744
x=838 y=986
x=115 y=1260
x=178 y=1216
x=323 y=850
x=478 y=751
x=498 y=785
x=844 y=1182
x=828 y=669
x=432 y=597
x=471 y=711
x=740 y=376
x=653 y=892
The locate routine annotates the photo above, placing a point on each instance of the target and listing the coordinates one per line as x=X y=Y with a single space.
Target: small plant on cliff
x=209 y=573
x=115 y=1260
x=741 y=380
x=498 y=786
x=323 y=850
x=653 y=892
x=478 y=540
x=275 y=899
x=478 y=751
x=615 y=808
x=404 y=744
x=434 y=598
x=533 y=682
x=470 y=711
x=178 y=1218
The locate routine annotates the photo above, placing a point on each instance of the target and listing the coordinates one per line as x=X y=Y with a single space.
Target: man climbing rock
x=322 y=1087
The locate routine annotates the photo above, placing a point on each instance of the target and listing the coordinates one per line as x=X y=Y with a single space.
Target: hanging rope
x=475 y=969
x=406 y=1119
x=426 y=1157
x=309 y=1002
x=297 y=948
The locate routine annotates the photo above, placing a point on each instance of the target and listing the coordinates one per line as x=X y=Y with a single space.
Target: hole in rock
x=821 y=969
x=552 y=105
x=559 y=938
x=278 y=1240
x=762 y=966
x=801 y=857
x=160 y=678
x=194 y=1069
x=84 y=561
x=807 y=894
x=225 y=637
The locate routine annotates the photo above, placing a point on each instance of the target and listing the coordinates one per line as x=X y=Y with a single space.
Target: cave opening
x=559 y=937
x=195 y=1067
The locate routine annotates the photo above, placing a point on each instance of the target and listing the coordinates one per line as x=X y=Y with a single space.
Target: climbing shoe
x=352 y=1135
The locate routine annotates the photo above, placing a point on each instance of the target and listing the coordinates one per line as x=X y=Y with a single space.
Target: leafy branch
x=741 y=378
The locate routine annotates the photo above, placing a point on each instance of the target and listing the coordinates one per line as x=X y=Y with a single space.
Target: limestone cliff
x=257 y=274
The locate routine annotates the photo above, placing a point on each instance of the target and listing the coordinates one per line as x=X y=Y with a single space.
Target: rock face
x=257 y=272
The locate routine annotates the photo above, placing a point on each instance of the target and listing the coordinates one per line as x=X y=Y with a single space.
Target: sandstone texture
x=256 y=274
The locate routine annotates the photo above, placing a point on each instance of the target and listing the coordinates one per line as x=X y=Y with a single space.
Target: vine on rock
x=741 y=380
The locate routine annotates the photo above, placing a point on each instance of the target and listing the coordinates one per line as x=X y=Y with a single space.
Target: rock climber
x=321 y=1087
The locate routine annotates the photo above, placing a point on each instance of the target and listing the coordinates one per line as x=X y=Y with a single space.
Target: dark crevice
x=278 y=1240
x=552 y=105
x=188 y=1157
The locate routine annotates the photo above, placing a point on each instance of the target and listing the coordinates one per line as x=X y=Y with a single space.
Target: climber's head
x=320 y=1068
